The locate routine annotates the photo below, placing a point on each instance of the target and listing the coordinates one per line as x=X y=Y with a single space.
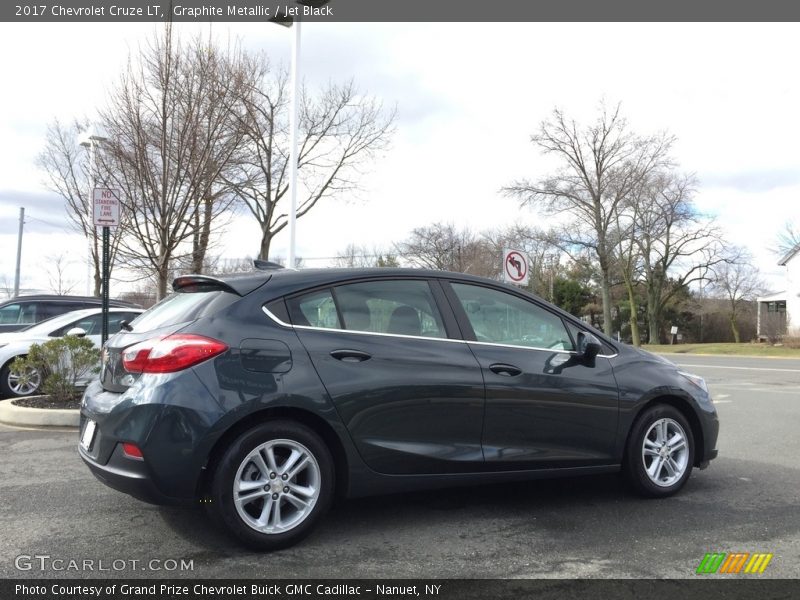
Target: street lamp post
x=293 y=126
x=294 y=23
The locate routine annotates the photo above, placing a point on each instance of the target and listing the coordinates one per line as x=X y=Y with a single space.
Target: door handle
x=352 y=356
x=503 y=369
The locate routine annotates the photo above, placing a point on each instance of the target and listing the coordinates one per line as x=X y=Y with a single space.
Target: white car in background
x=87 y=322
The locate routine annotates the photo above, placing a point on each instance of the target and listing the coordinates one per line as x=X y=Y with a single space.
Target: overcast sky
x=469 y=96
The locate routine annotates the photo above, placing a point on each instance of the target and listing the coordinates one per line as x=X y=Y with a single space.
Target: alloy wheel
x=665 y=452
x=276 y=486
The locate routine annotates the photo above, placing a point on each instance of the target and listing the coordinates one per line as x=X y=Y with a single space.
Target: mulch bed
x=47 y=402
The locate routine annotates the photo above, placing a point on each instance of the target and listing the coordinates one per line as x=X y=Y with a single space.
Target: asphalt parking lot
x=748 y=500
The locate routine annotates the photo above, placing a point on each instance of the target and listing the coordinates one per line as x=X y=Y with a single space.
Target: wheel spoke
x=306 y=491
x=247 y=486
x=655 y=468
x=650 y=443
x=271 y=459
x=662 y=431
x=298 y=502
x=679 y=446
x=261 y=465
x=299 y=467
x=266 y=511
x=247 y=498
x=286 y=467
x=669 y=468
x=276 y=513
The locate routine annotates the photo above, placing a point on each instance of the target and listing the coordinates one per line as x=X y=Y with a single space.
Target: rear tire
x=272 y=485
x=660 y=452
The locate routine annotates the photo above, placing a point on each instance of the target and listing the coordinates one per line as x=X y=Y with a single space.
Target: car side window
x=316 y=309
x=401 y=307
x=502 y=318
x=92 y=325
x=9 y=314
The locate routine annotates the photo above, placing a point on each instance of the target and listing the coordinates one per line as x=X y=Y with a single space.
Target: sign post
x=515 y=267
x=105 y=215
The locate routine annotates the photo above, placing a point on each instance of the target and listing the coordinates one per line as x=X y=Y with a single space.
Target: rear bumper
x=128 y=476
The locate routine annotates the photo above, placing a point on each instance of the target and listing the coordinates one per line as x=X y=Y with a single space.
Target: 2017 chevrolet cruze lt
x=264 y=395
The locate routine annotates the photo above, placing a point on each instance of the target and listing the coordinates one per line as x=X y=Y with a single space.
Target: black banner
x=394 y=589
x=400 y=11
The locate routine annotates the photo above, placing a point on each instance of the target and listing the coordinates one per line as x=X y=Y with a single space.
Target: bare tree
x=69 y=174
x=57 y=276
x=443 y=247
x=355 y=256
x=737 y=281
x=788 y=239
x=677 y=245
x=601 y=163
x=172 y=138
x=340 y=131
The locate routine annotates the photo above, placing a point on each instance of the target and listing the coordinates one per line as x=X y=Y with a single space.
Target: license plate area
x=87 y=437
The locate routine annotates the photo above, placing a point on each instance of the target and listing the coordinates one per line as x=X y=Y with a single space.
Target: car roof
x=285 y=281
x=59 y=298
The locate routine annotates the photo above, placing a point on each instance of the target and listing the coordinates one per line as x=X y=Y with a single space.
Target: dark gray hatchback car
x=264 y=395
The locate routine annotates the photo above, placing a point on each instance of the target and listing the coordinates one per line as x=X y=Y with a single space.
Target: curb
x=22 y=416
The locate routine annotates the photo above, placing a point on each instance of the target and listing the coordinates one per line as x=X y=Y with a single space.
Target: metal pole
x=293 y=125
x=19 y=250
x=104 y=335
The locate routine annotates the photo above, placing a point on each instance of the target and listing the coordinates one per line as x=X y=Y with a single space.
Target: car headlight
x=696 y=380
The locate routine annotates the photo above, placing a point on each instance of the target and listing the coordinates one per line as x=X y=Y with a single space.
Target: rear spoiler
x=203 y=283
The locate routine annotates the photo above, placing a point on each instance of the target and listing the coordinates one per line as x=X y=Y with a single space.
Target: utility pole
x=19 y=249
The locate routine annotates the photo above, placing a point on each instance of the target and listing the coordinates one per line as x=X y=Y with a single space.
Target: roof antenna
x=265 y=265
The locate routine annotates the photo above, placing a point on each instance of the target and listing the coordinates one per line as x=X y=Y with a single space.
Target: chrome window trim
x=419 y=337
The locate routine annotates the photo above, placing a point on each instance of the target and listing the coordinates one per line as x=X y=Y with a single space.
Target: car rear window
x=182 y=307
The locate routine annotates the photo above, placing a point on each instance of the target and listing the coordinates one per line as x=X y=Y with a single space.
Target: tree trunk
x=653 y=329
x=98 y=281
x=266 y=239
x=635 y=339
x=163 y=277
x=735 y=329
x=605 y=292
x=202 y=235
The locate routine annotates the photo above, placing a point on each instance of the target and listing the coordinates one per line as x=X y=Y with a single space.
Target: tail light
x=170 y=354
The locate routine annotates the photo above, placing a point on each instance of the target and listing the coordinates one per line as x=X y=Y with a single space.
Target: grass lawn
x=745 y=349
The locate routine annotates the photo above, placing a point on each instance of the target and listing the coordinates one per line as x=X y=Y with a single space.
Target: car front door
x=544 y=407
x=411 y=396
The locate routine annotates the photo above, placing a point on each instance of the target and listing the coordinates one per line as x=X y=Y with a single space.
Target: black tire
x=6 y=391
x=239 y=464
x=651 y=479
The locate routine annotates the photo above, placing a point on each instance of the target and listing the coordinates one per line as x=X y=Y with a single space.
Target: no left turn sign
x=515 y=267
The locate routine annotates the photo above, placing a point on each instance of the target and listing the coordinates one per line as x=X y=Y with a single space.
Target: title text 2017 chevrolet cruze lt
x=264 y=395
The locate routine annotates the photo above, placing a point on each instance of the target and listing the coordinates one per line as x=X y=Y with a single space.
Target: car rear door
x=409 y=391
x=544 y=407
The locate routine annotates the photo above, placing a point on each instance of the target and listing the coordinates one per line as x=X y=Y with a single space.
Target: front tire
x=660 y=452
x=272 y=485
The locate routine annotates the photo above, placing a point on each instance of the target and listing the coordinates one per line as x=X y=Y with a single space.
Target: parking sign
x=106 y=207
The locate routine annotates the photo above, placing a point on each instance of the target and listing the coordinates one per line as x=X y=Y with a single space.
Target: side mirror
x=77 y=332
x=588 y=346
